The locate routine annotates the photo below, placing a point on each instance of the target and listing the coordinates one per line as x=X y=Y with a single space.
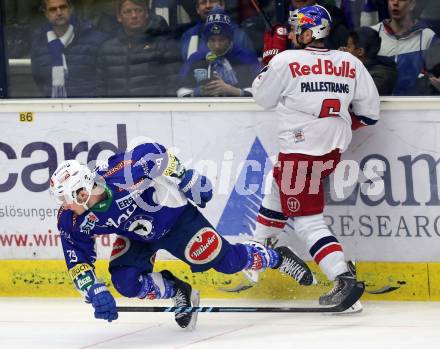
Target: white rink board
x=371 y=228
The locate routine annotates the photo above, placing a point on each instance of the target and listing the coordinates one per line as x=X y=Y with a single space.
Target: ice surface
x=69 y=323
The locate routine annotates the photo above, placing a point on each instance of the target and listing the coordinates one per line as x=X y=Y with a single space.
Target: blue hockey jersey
x=143 y=203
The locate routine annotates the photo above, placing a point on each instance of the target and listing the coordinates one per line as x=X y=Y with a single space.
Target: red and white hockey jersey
x=312 y=91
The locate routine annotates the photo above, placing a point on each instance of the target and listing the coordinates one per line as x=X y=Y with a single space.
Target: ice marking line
x=214 y=336
x=118 y=337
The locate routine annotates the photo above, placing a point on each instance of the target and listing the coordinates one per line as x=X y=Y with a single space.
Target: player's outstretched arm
x=196 y=187
x=94 y=292
x=79 y=255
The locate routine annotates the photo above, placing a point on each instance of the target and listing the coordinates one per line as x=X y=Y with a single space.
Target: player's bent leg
x=269 y=224
x=130 y=282
x=126 y=280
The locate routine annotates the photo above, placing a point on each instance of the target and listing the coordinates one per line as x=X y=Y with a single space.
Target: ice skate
x=343 y=285
x=185 y=297
x=356 y=307
x=293 y=266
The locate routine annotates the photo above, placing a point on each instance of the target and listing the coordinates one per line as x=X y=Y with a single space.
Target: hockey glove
x=274 y=42
x=196 y=188
x=103 y=302
x=356 y=122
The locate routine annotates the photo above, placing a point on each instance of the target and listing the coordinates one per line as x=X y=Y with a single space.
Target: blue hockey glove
x=196 y=187
x=103 y=302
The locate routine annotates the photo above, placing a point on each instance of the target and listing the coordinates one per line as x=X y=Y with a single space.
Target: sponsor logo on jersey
x=174 y=167
x=132 y=187
x=293 y=204
x=120 y=246
x=122 y=218
x=89 y=223
x=79 y=269
x=117 y=168
x=323 y=67
x=204 y=246
x=84 y=281
x=298 y=136
x=127 y=200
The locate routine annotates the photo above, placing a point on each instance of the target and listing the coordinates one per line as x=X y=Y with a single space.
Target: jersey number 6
x=330 y=108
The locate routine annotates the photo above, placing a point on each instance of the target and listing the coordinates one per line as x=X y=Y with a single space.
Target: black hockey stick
x=261 y=11
x=352 y=298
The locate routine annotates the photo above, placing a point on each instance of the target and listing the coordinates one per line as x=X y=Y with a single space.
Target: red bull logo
x=304 y=19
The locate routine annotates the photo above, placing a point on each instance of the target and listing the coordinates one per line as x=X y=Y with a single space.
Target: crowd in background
x=169 y=48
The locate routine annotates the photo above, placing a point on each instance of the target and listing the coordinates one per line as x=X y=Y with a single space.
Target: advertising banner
x=382 y=203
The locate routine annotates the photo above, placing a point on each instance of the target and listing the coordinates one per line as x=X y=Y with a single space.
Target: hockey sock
x=155 y=286
x=260 y=257
x=324 y=247
x=269 y=224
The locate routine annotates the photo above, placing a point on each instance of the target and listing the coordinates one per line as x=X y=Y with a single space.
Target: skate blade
x=356 y=308
x=195 y=301
x=252 y=275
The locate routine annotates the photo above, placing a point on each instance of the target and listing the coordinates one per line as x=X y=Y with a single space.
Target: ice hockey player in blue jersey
x=148 y=198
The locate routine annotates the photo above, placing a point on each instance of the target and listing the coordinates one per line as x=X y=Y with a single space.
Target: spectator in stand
x=412 y=45
x=364 y=43
x=64 y=53
x=225 y=69
x=192 y=39
x=139 y=61
x=338 y=33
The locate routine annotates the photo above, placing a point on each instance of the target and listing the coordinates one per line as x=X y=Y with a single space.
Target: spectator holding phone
x=223 y=69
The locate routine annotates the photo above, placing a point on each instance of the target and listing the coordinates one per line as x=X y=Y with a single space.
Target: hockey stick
x=352 y=298
x=261 y=11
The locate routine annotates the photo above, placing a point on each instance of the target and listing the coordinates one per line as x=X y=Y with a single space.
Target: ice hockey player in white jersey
x=320 y=96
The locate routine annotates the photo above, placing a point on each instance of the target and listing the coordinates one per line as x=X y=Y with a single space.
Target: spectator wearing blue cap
x=223 y=69
x=192 y=39
x=364 y=43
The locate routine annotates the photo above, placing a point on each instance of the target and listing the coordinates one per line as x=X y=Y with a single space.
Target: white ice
x=69 y=324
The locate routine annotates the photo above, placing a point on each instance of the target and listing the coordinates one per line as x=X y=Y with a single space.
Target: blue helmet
x=316 y=18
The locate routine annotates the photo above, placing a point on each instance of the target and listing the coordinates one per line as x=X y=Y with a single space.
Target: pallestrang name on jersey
x=325 y=86
x=323 y=67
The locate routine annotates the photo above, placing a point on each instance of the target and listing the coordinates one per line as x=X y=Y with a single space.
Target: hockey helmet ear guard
x=316 y=18
x=68 y=179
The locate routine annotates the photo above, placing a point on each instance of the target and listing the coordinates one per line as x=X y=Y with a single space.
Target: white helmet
x=68 y=178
